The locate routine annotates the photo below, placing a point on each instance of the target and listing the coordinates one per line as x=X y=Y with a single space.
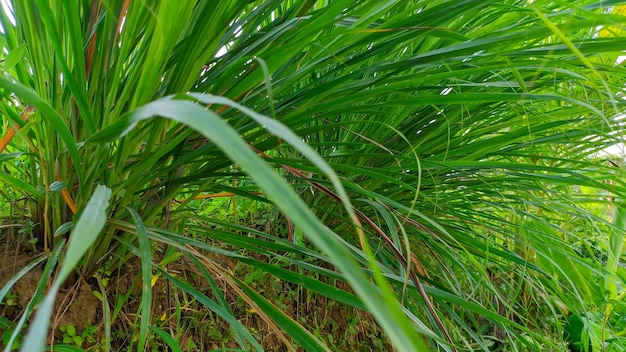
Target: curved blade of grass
x=31 y=98
x=311 y=284
x=384 y=307
x=106 y=312
x=78 y=89
x=268 y=315
x=307 y=340
x=167 y=338
x=87 y=229
x=41 y=285
x=267 y=248
x=223 y=310
x=349 y=62
x=16 y=277
x=218 y=294
x=213 y=306
x=20 y=184
x=146 y=278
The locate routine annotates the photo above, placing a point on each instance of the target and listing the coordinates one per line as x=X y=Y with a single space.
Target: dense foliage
x=443 y=158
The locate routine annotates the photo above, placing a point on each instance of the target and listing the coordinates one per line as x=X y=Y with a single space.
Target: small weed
x=29 y=230
x=71 y=336
x=10 y=299
x=7 y=329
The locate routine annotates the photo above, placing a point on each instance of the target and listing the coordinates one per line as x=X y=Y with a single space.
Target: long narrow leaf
x=384 y=308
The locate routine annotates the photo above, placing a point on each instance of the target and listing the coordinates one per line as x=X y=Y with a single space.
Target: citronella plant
x=426 y=150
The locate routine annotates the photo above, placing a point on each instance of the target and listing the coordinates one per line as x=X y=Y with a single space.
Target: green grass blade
x=36 y=343
x=7 y=286
x=305 y=338
x=78 y=91
x=215 y=307
x=470 y=131
x=38 y=330
x=28 y=188
x=311 y=284
x=167 y=338
x=49 y=113
x=220 y=298
x=106 y=312
x=86 y=231
x=384 y=307
x=146 y=279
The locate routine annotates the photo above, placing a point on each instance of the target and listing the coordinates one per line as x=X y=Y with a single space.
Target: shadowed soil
x=76 y=305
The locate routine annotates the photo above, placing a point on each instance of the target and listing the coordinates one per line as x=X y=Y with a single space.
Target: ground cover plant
x=435 y=168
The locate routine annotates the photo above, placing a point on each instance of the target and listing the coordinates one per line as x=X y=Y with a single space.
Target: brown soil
x=75 y=305
x=191 y=323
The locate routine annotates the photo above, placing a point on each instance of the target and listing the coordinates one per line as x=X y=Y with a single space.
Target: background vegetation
x=434 y=169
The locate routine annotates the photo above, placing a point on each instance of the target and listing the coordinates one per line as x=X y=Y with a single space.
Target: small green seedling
x=70 y=335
